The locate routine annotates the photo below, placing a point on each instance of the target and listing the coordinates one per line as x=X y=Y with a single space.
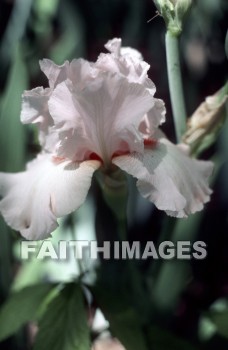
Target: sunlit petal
x=55 y=74
x=169 y=178
x=32 y=200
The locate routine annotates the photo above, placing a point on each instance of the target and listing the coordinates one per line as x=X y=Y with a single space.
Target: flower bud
x=206 y=121
x=173 y=12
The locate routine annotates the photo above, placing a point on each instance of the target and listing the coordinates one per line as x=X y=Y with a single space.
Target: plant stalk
x=175 y=84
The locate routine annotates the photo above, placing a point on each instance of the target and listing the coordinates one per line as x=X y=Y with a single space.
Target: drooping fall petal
x=32 y=200
x=169 y=178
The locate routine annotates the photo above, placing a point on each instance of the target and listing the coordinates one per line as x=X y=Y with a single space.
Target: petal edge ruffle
x=169 y=178
x=32 y=200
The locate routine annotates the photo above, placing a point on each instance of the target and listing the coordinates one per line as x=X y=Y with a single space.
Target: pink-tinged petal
x=169 y=178
x=114 y=64
x=156 y=116
x=111 y=109
x=106 y=112
x=32 y=200
x=133 y=69
x=72 y=143
x=62 y=108
x=35 y=111
x=133 y=53
x=127 y=62
x=55 y=74
x=82 y=71
x=35 y=107
x=114 y=46
x=72 y=185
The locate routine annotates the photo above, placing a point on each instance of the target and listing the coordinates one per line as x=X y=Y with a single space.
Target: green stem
x=115 y=194
x=175 y=84
x=226 y=44
x=6 y=274
x=172 y=275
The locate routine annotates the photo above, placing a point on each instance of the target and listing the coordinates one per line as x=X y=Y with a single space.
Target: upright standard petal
x=32 y=200
x=82 y=71
x=127 y=62
x=115 y=46
x=73 y=141
x=34 y=106
x=107 y=112
x=169 y=178
x=35 y=111
x=55 y=74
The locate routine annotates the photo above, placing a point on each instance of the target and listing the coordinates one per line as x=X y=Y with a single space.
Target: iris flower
x=98 y=116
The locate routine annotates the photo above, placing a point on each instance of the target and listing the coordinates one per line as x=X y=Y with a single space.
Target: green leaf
x=12 y=132
x=71 y=41
x=21 y=307
x=5 y=260
x=226 y=44
x=162 y=339
x=64 y=324
x=220 y=320
x=12 y=152
x=126 y=326
x=125 y=323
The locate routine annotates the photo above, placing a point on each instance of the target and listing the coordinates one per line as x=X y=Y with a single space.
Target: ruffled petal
x=62 y=108
x=114 y=46
x=169 y=178
x=34 y=106
x=32 y=200
x=82 y=71
x=133 y=69
x=156 y=116
x=35 y=111
x=110 y=109
x=73 y=142
x=127 y=62
x=55 y=74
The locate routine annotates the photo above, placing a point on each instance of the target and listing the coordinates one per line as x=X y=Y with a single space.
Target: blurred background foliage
x=179 y=295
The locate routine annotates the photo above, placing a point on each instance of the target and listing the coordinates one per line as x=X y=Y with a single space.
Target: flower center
x=152 y=143
x=95 y=156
